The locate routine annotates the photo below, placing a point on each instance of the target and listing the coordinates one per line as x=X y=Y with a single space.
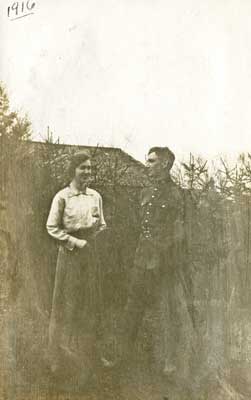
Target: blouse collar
x=76 y=192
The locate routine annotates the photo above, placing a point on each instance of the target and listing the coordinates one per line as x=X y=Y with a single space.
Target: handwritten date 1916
x=21 y=9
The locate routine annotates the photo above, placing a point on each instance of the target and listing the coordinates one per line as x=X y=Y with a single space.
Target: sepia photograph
x=125 y=200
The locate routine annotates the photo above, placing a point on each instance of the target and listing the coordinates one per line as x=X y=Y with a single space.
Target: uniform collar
x=159 y=189
x=76 y=192
x=164 y=181
x=162 y=184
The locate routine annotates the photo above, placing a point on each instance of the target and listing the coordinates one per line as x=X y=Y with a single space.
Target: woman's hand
x=80 y=243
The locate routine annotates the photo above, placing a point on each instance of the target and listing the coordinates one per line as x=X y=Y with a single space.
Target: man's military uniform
x=158 y=256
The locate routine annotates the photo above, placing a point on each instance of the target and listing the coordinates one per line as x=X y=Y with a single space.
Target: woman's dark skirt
x=75 y=309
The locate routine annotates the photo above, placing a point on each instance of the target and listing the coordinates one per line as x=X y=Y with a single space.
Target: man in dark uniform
x=158 y=253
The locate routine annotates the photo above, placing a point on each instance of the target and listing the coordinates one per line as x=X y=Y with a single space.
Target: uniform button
x=148 y=212
x=153 y=196
x=146 y=220
x=150 y=204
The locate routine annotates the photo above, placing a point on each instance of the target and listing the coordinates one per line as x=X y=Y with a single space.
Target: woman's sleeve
x=54 y=223
x=102 y=219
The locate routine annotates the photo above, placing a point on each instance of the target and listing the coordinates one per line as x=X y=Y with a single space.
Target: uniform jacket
x=162 y=225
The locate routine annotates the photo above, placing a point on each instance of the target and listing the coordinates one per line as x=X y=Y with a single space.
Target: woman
x=75 y=218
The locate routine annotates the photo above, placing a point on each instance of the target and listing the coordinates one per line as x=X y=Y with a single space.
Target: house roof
x=104 y=149
x=133 y=170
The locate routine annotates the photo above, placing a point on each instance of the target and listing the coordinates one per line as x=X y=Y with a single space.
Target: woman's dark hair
x=78 y=158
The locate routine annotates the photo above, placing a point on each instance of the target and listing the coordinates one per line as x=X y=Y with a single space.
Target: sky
x=132 y=73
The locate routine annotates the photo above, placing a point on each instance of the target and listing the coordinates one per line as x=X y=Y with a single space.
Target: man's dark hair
x=163 y=152
x=78 y=158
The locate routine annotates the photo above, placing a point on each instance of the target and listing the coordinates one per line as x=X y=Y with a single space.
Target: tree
x=14 y=130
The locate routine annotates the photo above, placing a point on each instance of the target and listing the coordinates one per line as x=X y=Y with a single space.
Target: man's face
x=157 y=167
x=83 y=173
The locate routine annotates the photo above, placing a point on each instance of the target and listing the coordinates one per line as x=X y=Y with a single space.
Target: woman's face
x=83 y=173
